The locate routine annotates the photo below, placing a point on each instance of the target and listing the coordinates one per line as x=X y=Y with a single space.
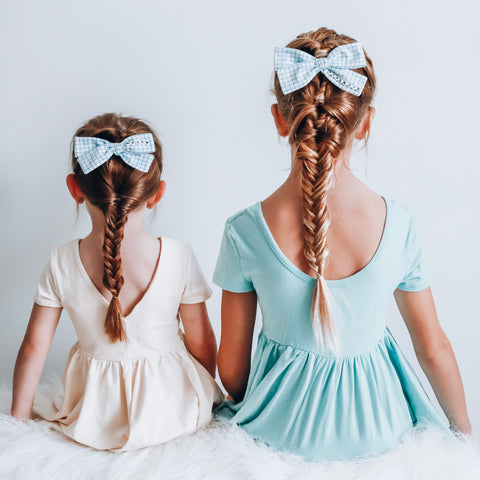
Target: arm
x=199 y=336
x=238 y=320
x=31 y=358
x=435 y=354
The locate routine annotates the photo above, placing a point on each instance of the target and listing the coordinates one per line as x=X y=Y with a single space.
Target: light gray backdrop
x=200 y=73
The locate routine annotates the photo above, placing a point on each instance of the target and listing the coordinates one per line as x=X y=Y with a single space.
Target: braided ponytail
x=116 y=189
x=321 y=116
x=115 y=221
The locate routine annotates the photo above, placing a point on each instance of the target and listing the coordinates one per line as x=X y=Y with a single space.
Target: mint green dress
x=306 y=401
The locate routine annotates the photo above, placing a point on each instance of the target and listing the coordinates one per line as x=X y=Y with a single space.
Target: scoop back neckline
x=305 y=276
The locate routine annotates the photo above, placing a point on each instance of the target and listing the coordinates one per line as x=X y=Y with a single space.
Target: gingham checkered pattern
x=91 y=152
x=296 y=68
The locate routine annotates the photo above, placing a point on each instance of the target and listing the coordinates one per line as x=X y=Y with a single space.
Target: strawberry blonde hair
x=116 y=189
x=321 y=118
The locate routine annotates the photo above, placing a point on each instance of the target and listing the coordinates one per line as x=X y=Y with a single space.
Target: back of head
x=321 y=118
x=116 y=189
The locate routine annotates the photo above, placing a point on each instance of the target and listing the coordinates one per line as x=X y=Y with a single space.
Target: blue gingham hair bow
x=91 y=152
x=296 y=68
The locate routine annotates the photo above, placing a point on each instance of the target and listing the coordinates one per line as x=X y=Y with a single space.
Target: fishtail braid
x=321 y=116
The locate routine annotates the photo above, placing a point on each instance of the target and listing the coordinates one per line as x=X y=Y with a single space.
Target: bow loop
x=92 y=152
x=296 y=68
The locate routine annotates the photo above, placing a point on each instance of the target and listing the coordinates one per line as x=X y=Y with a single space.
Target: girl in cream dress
x=134 y=378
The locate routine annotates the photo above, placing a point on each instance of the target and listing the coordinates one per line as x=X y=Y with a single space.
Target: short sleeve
x=416 y=277
x=47 y=294
x=196 y=289
x=228 y=273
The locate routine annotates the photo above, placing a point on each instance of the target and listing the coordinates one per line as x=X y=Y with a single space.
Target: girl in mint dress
x=321 y=257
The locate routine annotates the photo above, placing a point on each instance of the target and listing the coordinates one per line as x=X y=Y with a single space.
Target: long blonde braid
x=321 y=116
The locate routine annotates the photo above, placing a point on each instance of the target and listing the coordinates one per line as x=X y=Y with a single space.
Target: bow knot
x=117 y=148
x=91 y=152
x=322 y=62
x=296 y=68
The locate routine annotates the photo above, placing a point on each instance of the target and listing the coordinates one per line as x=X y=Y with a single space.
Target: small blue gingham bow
x=296 y=68
x=91 y=152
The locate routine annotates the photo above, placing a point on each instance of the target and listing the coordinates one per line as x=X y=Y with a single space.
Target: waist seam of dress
x=80 y=351
x=339 y=357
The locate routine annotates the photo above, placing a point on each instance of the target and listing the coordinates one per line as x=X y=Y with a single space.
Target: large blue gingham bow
x=296 y=68
x=91 y=152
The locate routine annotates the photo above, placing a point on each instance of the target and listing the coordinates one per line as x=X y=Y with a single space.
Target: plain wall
x=200 y=73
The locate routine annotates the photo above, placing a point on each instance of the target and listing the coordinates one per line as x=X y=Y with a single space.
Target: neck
x=133 y=227
x=341 y=176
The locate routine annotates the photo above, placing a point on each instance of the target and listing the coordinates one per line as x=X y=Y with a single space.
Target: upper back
x=251 y=259
x=152 y=324
x=353 y=235
x=140 y=257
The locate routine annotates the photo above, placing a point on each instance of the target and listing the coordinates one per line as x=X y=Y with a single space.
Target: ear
x=280 y=123
x=366 y=123
x=152 y=201
x=74 y=190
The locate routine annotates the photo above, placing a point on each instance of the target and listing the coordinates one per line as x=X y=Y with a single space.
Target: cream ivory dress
x=121 y=396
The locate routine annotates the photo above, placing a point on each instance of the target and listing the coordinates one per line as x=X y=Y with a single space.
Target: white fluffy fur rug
x=33 y=451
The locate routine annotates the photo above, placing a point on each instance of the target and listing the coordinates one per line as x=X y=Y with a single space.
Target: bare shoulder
x=367 y=202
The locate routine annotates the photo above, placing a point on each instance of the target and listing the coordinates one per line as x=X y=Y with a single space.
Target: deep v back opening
x=99 y=294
